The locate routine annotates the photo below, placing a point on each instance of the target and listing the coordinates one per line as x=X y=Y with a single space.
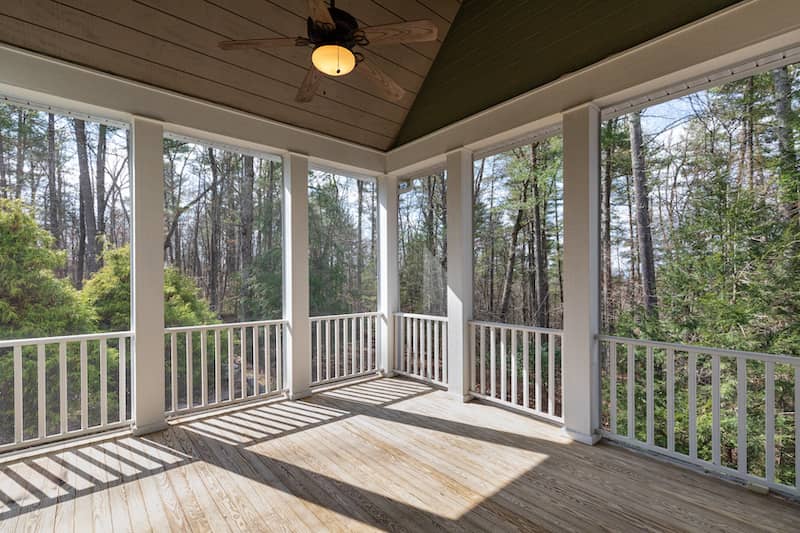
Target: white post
x=388 y=280
x=147 y=277
x=297 y=346
x=459 y=270
x=580 y=360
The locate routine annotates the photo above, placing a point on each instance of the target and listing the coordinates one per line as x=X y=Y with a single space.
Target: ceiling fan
x=334 y=34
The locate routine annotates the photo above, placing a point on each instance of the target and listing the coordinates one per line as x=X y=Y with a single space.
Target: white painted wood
x=217 y=366
x=437 y=374
x=147 y=276
x=41 y=389
x=715 y=407
x=123 y=375
x=280 y=355
x=84 y=387
x=551 y=374
x=295 y=275
x=612 y=386
x=415 y=345
x=203 y=368
x=103 y=381
x=243 y=360
x=173 y=368
x=493 y=362
x=346 y=346
x=429 y=350
x=769 y=418
x=189 y=371
x=362 y=333
x=526 y=374
x=388 y=277
x=503 y=365
x=670 y=399
x=538 y=371
x=268 y=356
x=231 y=389
x=741 y=415
x=692 y=373
x=18 y=394
x=579 y=351
x=256 y=365
x=650 y=395
x=514 y=377
x=62 y=385
x=631 y=385
x=459 y=269
x=483 y=360
x=328 y=374
x=336 y=358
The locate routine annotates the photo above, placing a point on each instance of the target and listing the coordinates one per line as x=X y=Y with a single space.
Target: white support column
x=459 y=270
x=297 y=345
x=147 y=277
x=580 y=359
x=388 y=280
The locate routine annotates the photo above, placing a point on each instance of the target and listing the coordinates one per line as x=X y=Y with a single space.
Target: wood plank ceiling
x=172 y=44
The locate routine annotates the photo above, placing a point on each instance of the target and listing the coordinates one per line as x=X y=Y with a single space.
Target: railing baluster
x=715 y=406
x=361 y=336
x=243 y=361
x=231 y=392
x=349 y=344
x=409 y=326
x=203 y=368
x=327 y=349
x=217 y=366
x=692 y=376
x=268 y=356
x=279 y=355
x=256 y=366
x=337 y=360
x=503 y=366
x=649 y=392
x=444 y=351
x=631 y=384
x=769 y=415
x=526 y=372
x=84 y=387
x=483 y=360
x=62 y=387
x=317 y=329
x=41 y=390
x=429 y=351
x=538 y=371
x=122 y=348
x=173 y=368
x=513 y=367
x=416 y=346
x=551 y=374
x=103 y=382
x=493 y=361
x=189 y=370
x=741 y=414
x=437 y=374
x=612 y=386
x=671 y=399
x=18 y=394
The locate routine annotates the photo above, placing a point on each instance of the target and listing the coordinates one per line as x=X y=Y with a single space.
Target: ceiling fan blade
x=309 y=86
x=318 y=11
x=258 y=43
x=414 y=31
x=388 y=86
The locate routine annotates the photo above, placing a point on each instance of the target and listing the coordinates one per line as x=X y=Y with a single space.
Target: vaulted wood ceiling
x=172 y=44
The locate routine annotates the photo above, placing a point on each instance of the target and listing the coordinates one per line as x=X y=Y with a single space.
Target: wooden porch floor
x=383 y=454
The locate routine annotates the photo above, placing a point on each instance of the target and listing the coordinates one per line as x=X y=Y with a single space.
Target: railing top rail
x=64 y=338
x=705 y=350
x=347 y=315
x=533 y=329
x=201 y=327
x=423 y=317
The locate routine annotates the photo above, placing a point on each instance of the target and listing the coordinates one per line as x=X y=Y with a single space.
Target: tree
x=87 y=257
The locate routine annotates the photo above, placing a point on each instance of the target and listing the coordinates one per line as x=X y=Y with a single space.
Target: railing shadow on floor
x=226 y=440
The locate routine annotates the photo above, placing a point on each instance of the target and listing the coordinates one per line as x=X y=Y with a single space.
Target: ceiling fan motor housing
x=346 y=32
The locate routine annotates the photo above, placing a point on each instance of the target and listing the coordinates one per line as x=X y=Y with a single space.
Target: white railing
x=698 y=404
x=343 y=346
x=518 y=366
x=218 y=364
x=60 y=387
x=421 y=346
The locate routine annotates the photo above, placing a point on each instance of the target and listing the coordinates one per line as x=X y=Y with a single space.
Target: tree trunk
x=508 y=279
x=246 y=232
x=87 y=202
x=22 y=119
x=606 y=224
x=789 y=181
x=214 y=248
x=643 y=221
x=100 y=183
x=359 y=243
x=542 y=311
x=52 y=205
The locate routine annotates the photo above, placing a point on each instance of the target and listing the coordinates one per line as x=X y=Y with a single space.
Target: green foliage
x=33 y=301
x=108 y=292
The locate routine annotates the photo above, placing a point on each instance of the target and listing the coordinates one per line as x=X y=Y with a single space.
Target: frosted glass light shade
x=333 y=60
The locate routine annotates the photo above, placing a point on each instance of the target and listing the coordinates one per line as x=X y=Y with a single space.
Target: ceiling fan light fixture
x=333 y=59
